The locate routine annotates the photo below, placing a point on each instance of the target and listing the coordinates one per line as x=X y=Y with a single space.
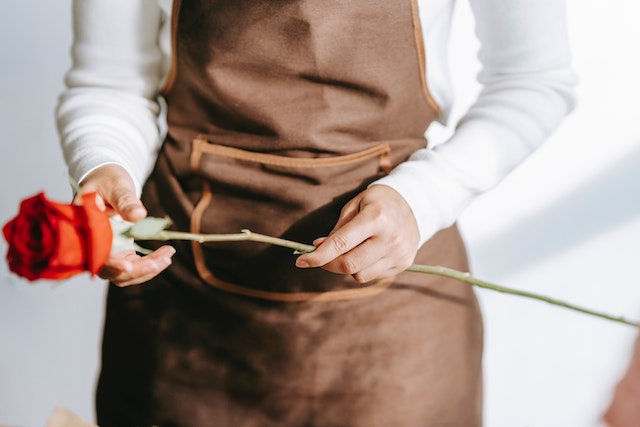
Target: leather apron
x=279 y=113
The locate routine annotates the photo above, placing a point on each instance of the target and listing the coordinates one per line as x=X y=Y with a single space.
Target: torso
x=263 y=104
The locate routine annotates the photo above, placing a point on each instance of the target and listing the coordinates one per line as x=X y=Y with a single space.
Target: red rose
x=49 y=240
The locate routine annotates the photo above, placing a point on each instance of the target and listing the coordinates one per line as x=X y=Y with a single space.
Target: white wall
x=49 y=334
x=565 y=224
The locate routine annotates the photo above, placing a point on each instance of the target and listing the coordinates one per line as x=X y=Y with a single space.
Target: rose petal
x=70 y=249
x=99 y=236
x=56 y=240
x=34 y=237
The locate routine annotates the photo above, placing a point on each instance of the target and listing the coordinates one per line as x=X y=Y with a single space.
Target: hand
x=375 y=237
x=624 y=410
x=117 y=195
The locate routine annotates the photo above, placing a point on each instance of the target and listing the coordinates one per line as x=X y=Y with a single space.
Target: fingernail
x=301 y=263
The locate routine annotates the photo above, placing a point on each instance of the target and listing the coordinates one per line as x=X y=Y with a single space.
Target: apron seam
x=420 y=51
x=173 y=70
x=321 y=296
x=202 y=145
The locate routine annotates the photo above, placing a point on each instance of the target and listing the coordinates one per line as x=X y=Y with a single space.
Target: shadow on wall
x=605 y=201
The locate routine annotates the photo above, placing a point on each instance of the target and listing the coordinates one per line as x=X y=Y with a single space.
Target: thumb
x=114 y=184
x=348 y=212
x=125 y=203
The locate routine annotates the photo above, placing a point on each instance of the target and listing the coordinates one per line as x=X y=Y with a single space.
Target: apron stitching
x=195 y=220
x=173 y=71
x=420 y=50
x=201 y=145
x=207 y=275
x=384 y=160
x=196 y=154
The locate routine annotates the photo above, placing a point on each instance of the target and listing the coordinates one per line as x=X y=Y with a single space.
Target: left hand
x=375 y=237
x=117 y=195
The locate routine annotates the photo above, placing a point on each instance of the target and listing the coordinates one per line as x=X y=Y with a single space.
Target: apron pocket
x=291 y=197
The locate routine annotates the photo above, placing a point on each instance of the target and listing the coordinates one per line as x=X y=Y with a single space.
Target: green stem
x=467 y=278
x=244 y=235
x=247 y=235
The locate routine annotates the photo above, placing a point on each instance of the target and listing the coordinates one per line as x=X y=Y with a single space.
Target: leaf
x=148 y=228
x=121 y=241
x=118 y=225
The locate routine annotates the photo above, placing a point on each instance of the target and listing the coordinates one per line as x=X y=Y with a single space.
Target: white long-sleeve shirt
x=121 y=56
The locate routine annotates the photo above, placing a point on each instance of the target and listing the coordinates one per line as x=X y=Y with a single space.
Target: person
x=304 y=120
x=624 y=408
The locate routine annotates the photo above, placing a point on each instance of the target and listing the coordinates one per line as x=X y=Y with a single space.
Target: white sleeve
x=527 y=89
x=108 y=113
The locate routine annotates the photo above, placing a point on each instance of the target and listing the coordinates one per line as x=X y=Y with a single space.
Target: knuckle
x=395 y=241
x=362 y=277
x=393 y=271
x=339 y=243
x=347 y=265
x=347 y=208
x=375 y=211
x=377 y=215
x=125 y=200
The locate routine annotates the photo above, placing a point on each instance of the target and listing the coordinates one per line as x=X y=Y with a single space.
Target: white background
x=566 y=224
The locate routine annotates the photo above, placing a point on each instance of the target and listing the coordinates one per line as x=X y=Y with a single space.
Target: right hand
x=117 y=195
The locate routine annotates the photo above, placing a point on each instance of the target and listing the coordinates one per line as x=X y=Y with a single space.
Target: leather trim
x=201 y=145
x=173 y=71
x=207 y=275
x=420 y=50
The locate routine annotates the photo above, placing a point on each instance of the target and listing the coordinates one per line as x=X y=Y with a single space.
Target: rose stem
x=247 y=235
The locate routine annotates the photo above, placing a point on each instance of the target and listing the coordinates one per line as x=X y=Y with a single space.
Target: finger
x=100 y=203
x=341 y=241
x=130 y=269
x=319 y=241
x=363 y=256
x=124 y=201
x=117 y=188
x=348 y=212
x=370 y=260
x=141 y=271
x=380 y=270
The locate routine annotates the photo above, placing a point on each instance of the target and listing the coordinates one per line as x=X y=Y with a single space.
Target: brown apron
x=279 y=113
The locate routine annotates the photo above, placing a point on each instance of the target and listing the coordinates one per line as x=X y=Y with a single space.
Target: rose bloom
x=49 y=240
